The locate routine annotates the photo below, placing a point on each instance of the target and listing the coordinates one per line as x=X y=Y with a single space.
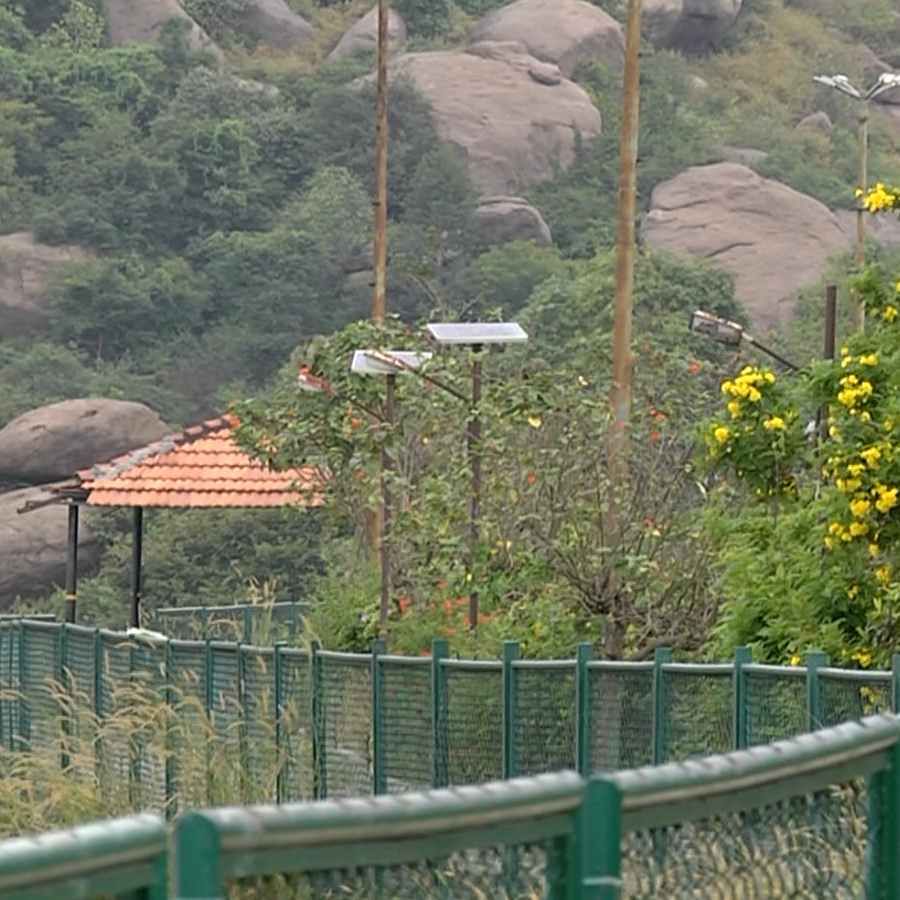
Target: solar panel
x=477 y=332
x=386 y=362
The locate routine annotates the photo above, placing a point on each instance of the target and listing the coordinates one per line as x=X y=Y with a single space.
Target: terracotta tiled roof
x=199 y=467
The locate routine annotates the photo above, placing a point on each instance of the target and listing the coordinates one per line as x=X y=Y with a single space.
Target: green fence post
x=379 y=776
x=895 y=684
x=279 y=736
x=198 y=862
x=815 y=660
x=247 y=613
x=98 y=704
x=598 y=841
x=23 y=725
x=742 y=657
x=62 y=677
x=510 y=751
x=242 y=722
x=319 y=760
x=661 y=656
x=583 y=709
x=440 y=650
x=883 y=860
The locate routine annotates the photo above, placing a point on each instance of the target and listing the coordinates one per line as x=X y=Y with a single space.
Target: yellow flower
x=883 y=574
x=859 y=508
x=865 y=416
x=873 y=550
x=887 y=500
x=857 y=529
x=734 y=407
x=770 y=377
x=871 y=455
x=855 y=469
x=834 y=432
x=835 y=528
x=863 y=657
x=888 y=425
x=853 y=591
x=794 y=660
x=846 y=350
x=775 y=423
x=829 y=543
x=721 y=434
x=535 y=421
x=870 y=360
x=890 y=312
x=727 y=387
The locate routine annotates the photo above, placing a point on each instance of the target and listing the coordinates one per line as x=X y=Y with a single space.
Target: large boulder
x=565 y=32
x=26 y=268
x=513 y=130
x=772 y=239
x=692 y=26
x=33 y=546
x=55 y=441
x=274 y=23
x=363 y=35
x=884 y=230
x=502 y=219
x=140 y=22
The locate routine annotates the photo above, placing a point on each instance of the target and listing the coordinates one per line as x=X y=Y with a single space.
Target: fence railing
x=126 y=858
x=816 y=816
x=250 y=623
x=298 y=725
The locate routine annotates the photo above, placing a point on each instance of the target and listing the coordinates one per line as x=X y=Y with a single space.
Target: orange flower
x=655 y=437
x=695 y=367
x=531 y=478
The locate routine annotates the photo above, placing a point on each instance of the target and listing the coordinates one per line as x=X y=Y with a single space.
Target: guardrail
x=124 y=858
x=298 y=725
x=817 y=816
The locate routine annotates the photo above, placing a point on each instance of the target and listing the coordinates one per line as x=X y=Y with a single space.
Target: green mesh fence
x=776 y=703
x=344 y=725
x=40 y=671
x=698 y=705
x=257 y=623
x=846 y=696
x=296 y=733
x=190 y=742
x=544 y=717
x=258 y=738
x=621 y=709
x=473 y=710
x=811 y=846
x=406 y=723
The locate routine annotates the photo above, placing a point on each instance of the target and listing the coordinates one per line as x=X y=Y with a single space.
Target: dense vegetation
x=224 y=210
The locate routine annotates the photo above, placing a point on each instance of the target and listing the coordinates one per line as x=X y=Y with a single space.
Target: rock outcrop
x=275 y=24
x=53 y=442
x=140 y=22
x=772 y=239
x=502 y=219
x=26 y=268
x=692 y=26
x=565 y=32
x=512 y=130
x=363 y=35
x=33 y=546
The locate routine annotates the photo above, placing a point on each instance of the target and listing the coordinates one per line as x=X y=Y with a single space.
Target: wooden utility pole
x=379 y=303
x=618 y=445
x=860 y=210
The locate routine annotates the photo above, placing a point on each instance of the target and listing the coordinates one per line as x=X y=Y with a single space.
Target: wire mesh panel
x=116 y=695
x=807 y=847
x=621 y=715
x=189 y=738
x=473 y=707
x=776 y=703
x=406 y=723
x=260 y=758
x=80 y=664
x=226 y=717
x=41 y=687
x=544 y=717
x=847 y=695
x=296 y=726
x=9 y=685
x=698 y=711
x=345 y=725
x=501 y=872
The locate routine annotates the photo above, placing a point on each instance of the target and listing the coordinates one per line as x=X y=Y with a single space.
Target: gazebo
x=201 y=467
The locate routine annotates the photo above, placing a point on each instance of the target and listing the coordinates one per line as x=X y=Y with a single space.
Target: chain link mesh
x=810 y=847
x=41 y=674
x=517 y=872
x=621 y=717
x=296 y=733
x=698 y=714
x=776 y=706
x=844 y=699
x=345 y=726
x=407 y=724
x=190 y=740
x=260 y=760
x=473 y=707
x=544 y=718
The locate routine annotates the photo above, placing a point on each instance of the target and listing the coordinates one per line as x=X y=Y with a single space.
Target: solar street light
x=723 y=331
x=387 y=364
x=475 y=335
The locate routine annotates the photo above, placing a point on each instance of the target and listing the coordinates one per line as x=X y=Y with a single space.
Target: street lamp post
x=388 y=363
x=475 y=335
x=886 y=82
x=731 y=334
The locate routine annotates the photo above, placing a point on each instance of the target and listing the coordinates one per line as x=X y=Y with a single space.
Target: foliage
x=424 y=18
x=839 y=510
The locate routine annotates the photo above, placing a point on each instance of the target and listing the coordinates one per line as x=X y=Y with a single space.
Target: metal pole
x=860 y=212
x=137 y=540
x=620 y=394
x=381 y=168
x=386 y=506
x=72 y=564
x=830 y=320
x=473 y=444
